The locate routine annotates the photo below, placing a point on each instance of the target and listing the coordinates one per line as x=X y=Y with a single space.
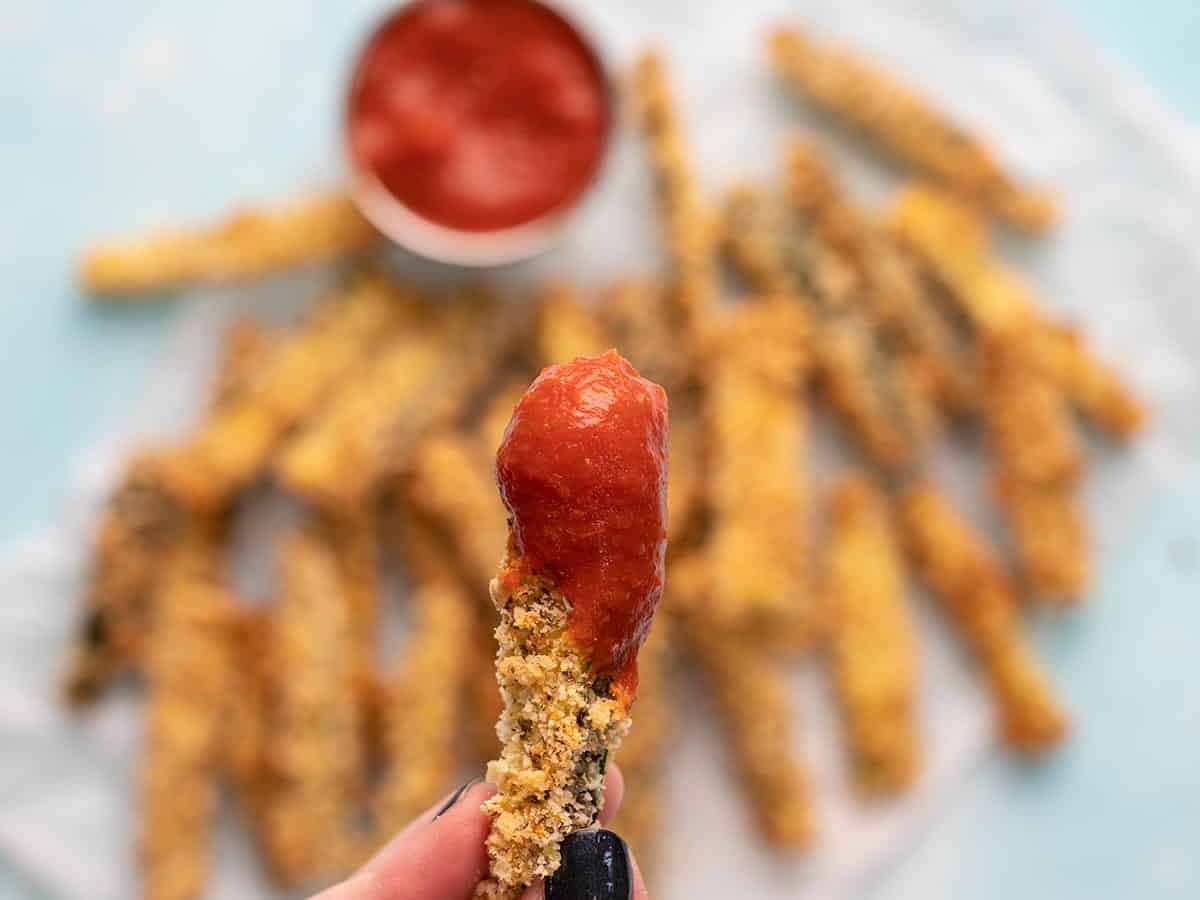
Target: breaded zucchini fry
x=355 y=541
x=231 y=449
x=315 y=763
x=951 y=242
x=894 y=298
x=424 y=694
x=1036 y=463
x=905 y=126
x=873 y=651
x=750 y=695
x=755 y=431
x=972 y=590
x=417 y=382
x=575 y=593
x=136 y=531
x=247 y=244
x=244 y=347
x=190 y=669
x=688 y=225
x=564 y=328
x=246 y=736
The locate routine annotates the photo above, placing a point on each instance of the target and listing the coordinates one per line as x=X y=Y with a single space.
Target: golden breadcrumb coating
x=315 y=764
x=423 y=695
x=300 y=373
x=247 y=244
x=138 y=527
x=564 y=328
x=872 y=649
x=752 y=698
x=1049 y=534
x=244 y=346
x=246 y=734
x=354 y=538
x=894 y=298
x=753 y=224
x=689 y=227
x=755 y=432
x=190 y=670
x=951 y=242
x=970 y=586
x=905 y=125
x=559 y=726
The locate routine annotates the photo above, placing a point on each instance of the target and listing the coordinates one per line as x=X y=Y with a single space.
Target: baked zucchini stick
x=905 y=126
x=950 y=241
x=755 y=430
x=970 y=586
x=315 y=764
x=244 y=347
x=872 y=650
x=1036 y=462
x=424 y=694
x=190 y=670
x=416 y=383
x=894 y=298
x=246 y=732
x=564 y=328
x=688 y=228
x=355 y=541
x=233 y=447
x=247 y=244
x=575 y=593
x=759 y=730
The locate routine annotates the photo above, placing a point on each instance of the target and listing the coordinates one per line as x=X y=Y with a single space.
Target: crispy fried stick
x=136 y=531
x=689 y=233
x=415 y=383
x=759 y=732
x=973 y=592
x=423 y=695
x=315 y=758
x=354 y=538
x=873 y=652
x=190 y=669
x=231 y=449
x=246 y=245
x=755 y=430
x=950 y=241
x=905 y=125
x=564 y=328
x=246 y=734
x=894 y=296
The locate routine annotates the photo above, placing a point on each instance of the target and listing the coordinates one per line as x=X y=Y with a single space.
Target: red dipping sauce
x=479 y=115
x=583 y=471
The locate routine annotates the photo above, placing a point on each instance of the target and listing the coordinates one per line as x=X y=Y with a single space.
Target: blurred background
x=120 y=117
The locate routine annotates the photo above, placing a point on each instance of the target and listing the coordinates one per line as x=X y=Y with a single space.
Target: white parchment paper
x=1121 y=263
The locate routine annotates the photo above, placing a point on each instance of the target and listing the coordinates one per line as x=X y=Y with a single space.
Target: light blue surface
x=1117 y=816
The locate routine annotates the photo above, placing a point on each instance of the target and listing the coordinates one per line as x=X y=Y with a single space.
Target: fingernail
x=455 y=797
x=595 y=866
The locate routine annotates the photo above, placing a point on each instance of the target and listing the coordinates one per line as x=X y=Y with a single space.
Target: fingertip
x=614 y=793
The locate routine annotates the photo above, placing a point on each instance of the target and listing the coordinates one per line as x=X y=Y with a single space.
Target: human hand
x=440 y=855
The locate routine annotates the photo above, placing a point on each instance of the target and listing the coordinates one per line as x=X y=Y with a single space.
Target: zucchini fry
x=688 y=226
x=415 y=383
x=355 y=542
x=893 y=296
x=248 y=244
x=873 y=650
x=232 y=448
x=564 y=328
x=905 y=126
x=1036 y=462
x=750 y=695
x=973 y=592
x=951 y=243
x=315 y=763
x=190 y=669
x=755 y=431
x=423 y=695
x=246 y=731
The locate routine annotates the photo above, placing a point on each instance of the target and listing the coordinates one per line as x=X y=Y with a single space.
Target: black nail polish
x=455 y=797
x=595 y=866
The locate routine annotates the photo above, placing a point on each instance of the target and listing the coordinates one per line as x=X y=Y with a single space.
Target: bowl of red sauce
x=474 y=128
